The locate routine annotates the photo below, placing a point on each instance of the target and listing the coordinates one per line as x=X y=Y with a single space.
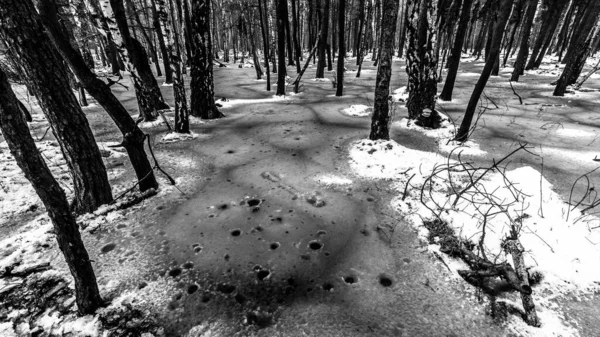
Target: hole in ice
x=385 y=280
x=192 y=288
x=274 y=245
x=236 y=232
x=253 y=202
x=108 y=247
x=315 y=245
x=262 y=274
x=175 y=272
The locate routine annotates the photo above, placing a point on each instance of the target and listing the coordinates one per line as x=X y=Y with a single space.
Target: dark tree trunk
x=324 y=33
x=498 y=23
x=377 y=41
x=550 y=20
x=339 y=91
x=22 y=147
x=189 y=40
x=582 y=47
x=161 y=42
x=182 y=118
x=147 y=91
x=288 y=36
x=513 y=24
x=519 y=66
x=297 y=49
x=402 y=38
x=133 y=137
x=153 y=51
x=360 y=21
x=202 y=83
x=364 y=49
x=454 y=59
x=23 y=31
x=264 y=26
x=281 y=17
x=381 y=112
x=421 y=65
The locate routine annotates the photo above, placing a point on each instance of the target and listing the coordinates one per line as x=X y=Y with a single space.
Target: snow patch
x=358 y=110
x=173 y=137
x=332 y=180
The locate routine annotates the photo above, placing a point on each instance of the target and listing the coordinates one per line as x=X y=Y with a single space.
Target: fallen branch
x=296 y=83
x=514 y=92
x=8 y=271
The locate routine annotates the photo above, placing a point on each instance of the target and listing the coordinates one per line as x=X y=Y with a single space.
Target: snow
x=358 y=110
x=559 y=243
x=400 y=94
x=332 y=180
x=173 y=137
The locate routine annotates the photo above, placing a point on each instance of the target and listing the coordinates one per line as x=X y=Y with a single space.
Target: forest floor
x=283 y=222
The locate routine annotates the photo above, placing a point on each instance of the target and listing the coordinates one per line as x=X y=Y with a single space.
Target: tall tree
x=550 y=20
x=22 y=147
x=421 y=65
x=582 y=46
x=454 y=60
x=22 y=29
x=160 y=36
x=264 y=26
x=296 y=38
x=381 y=112
x=281 y=17
x=499 y=23
x=133 y=137
x=202 y=83
x=148 y=94
x=339 y=91
x=519 y=66
x=182 y=121
x=324 y=34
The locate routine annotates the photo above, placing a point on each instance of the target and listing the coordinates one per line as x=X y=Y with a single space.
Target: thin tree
x=22 y=147
x=519 y=66
x=22 y=29
x=148 y=94
x=281 y=16
x=454 y=60
x=324 y=33
x=202 y=83
x=133 y=137
x=499 y=23
x=182 y=120
x=264 y=27
x=160 y=36
x=339 y=91
x=381 y=112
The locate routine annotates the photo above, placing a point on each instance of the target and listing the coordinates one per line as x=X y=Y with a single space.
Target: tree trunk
x=182 y=119
x=146 y=89
x=297 y=50
x=281 y=17
x=339 y=90
x=202 y=83
x=133 y=137
x=519 y=66
x=364 y=49
x=23 y=31
x=381 y=112
x=264 y=26
x=454 y=59
x=583 y=48
x=550 y=21
x=288 y=36
x=153 y=51
x=324 y=33
x=22 y=147
x=161 y=42
x=499 y=24
x=421 y=65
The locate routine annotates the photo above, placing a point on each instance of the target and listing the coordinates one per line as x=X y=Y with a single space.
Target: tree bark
x=182 y=119
x=148 y=93
x=281 y=17
x=151 y=46
x=364 y=48
x=202 y=83
x=264 y=26
x=22 y=147
x=455 y=54
x=421 y=65
x=499 y=24
x=324 y=33
x=381 y=113
x=133 y=137
x=160 y=35
x=519 y=66
x=339 y=91
x=297 y=50
x=44 y=69
x=550 y=20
